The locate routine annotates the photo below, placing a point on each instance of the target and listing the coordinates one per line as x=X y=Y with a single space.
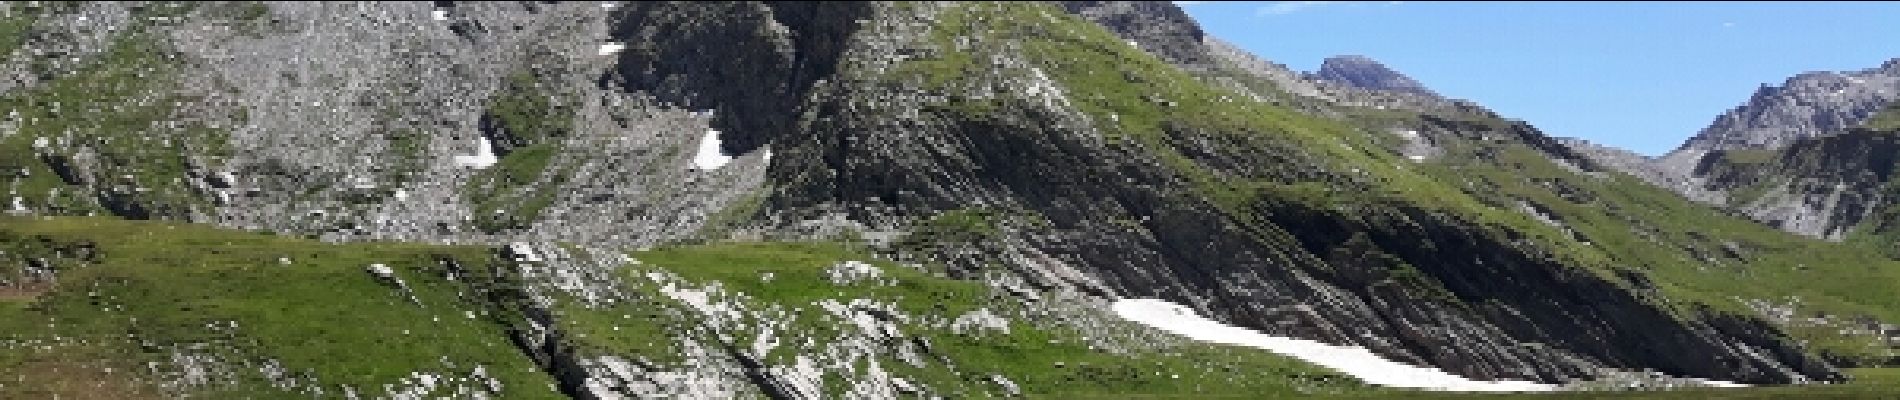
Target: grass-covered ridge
x=270 y=316
x=242 y=304
x=1611 y=225
x=245 y=305
x=1139 y=100
x=786 y=282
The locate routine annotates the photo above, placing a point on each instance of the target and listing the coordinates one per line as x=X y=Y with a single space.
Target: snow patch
x=483 y=158
x=439 y=15
x=611 y=48
x=524 y=252
x=1351 y=360
x=709 y=157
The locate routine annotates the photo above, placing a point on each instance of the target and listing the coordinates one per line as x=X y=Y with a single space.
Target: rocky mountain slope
x=1796 y=117
x=1835 y=186
x=903 y=198
x=1807 y=105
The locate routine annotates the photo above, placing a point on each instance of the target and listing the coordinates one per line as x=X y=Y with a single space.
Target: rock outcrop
x=1823 y=187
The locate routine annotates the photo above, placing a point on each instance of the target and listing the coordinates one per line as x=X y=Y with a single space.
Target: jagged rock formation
x=1158 y=28
x=1806 y=105
x=1027 y=146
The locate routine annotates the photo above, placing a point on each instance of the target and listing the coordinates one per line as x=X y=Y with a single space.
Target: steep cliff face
x=1026 y=148
x=1156 y=27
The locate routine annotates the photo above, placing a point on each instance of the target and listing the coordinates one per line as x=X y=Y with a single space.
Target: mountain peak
x=1364 y=72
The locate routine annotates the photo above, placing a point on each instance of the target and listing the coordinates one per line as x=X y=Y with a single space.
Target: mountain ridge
x=996 y=161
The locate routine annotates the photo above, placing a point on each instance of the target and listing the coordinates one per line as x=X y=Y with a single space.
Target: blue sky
x=1641 y=76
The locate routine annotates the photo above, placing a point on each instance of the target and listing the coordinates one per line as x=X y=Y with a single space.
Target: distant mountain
x=1807 y=105
x=1362 y=72
x=1776 y=159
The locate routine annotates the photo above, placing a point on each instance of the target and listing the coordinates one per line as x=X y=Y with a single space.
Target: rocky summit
x=1362 y=72
x=852 y=200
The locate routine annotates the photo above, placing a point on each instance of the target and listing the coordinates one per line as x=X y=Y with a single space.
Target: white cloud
x=1728 y=24
x=1288 y=7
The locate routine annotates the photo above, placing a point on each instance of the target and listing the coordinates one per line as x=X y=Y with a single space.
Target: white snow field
x=611 y=48
x=1351 y=360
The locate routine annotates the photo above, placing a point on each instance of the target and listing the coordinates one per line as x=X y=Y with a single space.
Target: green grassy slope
x=112 y=105
x=1886 y=120
x=132 y=293
x=787 y=281
x=1615 y=226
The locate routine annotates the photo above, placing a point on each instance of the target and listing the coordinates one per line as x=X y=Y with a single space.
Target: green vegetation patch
x=1886 y=120
x=1043 y=359
x=525 y=123
x=151 y=291
x=103 y=114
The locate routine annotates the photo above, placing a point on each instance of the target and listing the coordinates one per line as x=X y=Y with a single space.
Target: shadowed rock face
x=1822 y=187
x=753 y=67
x=1363 y=72
x=1158 y=27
